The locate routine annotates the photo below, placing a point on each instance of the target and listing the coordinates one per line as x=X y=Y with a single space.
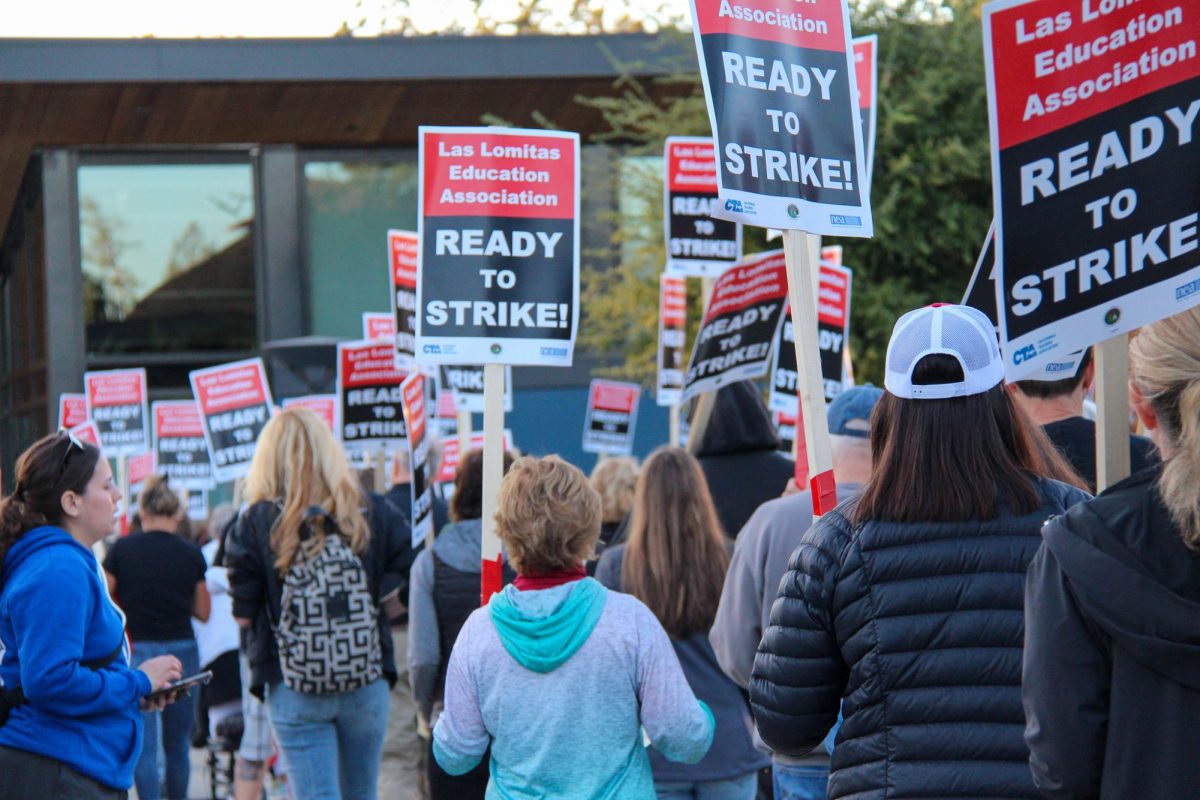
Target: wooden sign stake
x=802 y=259
x=493 y=472
x=1112 y=411
x=464 y=433
x=673 y=424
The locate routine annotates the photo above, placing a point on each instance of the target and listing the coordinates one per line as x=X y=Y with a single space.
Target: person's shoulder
x=1060 y=496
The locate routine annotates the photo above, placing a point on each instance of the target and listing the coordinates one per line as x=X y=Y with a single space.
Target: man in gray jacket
x=760 y=560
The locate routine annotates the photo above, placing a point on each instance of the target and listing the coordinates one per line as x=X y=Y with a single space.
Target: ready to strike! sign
x=740 y=323
x=116 y=402
x=498 y=281
x=1095 y=124
x=465 y=383
x=179 y=447
x=672 y=330
x=866 y=70
x=402 y=267
x=783 y=102
x=324 y=406
x=141 y=467
x=377 y=325
x=421 y=486
x=698 y=243
x=368 y=385
x=833 y=334
x=611 y=417
x=72 y=410
x=235 y=404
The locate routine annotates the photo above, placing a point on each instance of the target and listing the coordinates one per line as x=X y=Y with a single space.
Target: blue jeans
x=741 y=788
x=799 y=782
x=176 y=727
x=331 y=743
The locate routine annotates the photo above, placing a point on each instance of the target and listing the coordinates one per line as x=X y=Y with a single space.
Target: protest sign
x=72 y=410
x=608 y=425
x=116 y=402
x=402 y=268
x=743 y=315
x=783 y=103
x=452 y=447
x=981 y=289
x=325 y=406
x=377 y=325
x=87 y=432
x=698 y=243
x=421 y=485
x=369 y=396
x=866 y=70
x=235 y=405
x=197 y=508
x=672 y=331
x=833 y=334
x=180 y=450
x=1094 y=108
x=498 y=228
x=141 y=467
x=465 y=382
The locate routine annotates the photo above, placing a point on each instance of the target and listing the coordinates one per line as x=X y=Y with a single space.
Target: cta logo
x=845 y=221
x=735 y=206
x=1024 y=354
x=432 y=349
x=554 y=351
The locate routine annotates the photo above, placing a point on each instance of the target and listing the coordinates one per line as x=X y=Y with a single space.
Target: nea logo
x=1024 y=354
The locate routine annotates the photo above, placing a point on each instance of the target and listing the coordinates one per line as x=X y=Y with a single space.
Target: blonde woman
x=1112 y=605
x=308 y=562
x=615 y=480
x=157 y=576
x=558 y=674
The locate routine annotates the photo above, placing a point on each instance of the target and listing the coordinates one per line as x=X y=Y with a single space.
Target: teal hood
x=543 y=628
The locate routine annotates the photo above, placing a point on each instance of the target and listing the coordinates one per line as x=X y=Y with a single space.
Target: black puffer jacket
x=1112 y=653
x=916 y=629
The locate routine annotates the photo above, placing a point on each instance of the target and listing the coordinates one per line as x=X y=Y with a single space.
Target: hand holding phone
x=181 y=686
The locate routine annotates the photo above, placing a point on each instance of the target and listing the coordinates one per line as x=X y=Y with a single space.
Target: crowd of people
x=968 y=622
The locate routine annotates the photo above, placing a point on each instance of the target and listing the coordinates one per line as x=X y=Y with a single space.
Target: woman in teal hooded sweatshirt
x=567 y=681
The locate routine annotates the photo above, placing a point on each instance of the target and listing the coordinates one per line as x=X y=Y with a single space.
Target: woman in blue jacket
x=70 y=707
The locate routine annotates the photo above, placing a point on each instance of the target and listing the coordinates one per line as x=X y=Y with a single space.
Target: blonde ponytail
x=1165 y=366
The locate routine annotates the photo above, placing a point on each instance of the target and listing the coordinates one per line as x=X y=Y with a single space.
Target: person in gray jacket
x=760 y=560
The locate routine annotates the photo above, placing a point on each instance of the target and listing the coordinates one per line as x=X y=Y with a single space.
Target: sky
x=176 y=19
x=213 y=18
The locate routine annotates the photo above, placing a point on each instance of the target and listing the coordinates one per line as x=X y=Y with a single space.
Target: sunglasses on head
x=72 y=443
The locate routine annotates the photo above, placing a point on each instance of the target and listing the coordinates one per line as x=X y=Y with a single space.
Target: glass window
x=168 y=257
x=350 y=205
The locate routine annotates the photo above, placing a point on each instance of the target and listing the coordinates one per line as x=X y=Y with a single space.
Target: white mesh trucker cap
x=961 y=332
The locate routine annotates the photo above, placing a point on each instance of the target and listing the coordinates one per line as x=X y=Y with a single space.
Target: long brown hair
x=676 y=558
x=1164 y=363
x=51 y=467
x=954 y=459
x=297 y=463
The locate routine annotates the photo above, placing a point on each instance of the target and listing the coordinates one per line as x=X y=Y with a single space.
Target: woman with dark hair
x=157 y=576
x=443 y=590
x=904 y=607
x=1112 y=605
x=675 y=562
x=69 y=700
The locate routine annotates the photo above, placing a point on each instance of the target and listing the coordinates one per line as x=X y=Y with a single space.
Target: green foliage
x=931 y=189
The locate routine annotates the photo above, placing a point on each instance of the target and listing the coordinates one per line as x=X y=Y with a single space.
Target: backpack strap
x=14 y=697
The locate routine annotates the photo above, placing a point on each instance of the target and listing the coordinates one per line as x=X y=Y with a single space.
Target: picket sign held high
x=1112 y=411
x=802 y=253
x=703 y=407
x=493 y=473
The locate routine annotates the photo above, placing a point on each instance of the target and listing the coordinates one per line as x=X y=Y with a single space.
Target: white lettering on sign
x=241 y=418
x=470 y=242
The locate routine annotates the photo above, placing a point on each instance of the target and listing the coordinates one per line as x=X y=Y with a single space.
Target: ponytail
x=1164 y=363
x=52 y=466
